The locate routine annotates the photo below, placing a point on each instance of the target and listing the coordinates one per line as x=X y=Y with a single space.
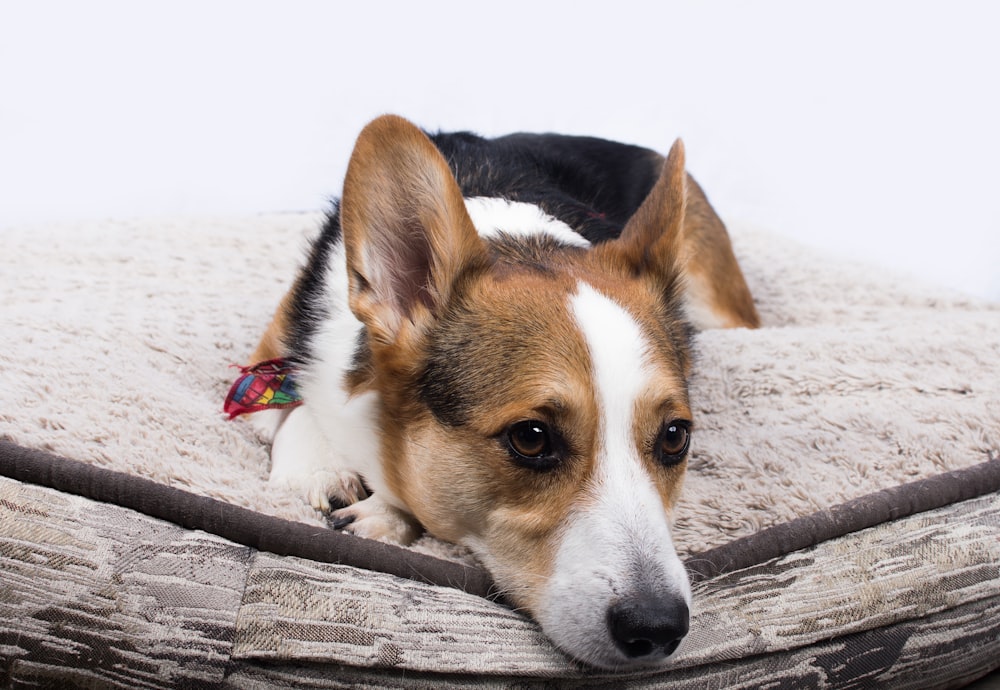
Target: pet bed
x=841 y=516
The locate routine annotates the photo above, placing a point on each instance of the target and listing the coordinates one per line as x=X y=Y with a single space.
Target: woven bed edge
x=893 y=503
x=287 y=538
x=239 y=525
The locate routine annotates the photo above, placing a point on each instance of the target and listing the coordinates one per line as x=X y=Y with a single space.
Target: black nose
x=645 y=624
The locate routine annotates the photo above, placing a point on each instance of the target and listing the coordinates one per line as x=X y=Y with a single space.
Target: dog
x=492 y=341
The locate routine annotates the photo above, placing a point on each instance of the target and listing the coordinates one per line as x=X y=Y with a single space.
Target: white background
x=869 y=129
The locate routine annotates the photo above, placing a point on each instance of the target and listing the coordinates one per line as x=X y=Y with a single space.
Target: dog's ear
x=652 y=239
x=406 y=231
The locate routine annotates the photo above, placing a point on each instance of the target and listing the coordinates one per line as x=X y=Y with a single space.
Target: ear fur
x=652 y=238
x=407 y=234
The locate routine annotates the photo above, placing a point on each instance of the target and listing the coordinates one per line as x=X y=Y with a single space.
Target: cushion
x=840 y=517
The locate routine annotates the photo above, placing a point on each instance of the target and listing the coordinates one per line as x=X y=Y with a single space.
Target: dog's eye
x=530 y=441
x=672 y=444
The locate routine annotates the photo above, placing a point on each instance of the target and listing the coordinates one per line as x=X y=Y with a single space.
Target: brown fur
x=272 y=343
x=398 y=181
x=523 y=356
x=710 y=266
x=424 y=283
x=704 y=252
x=514 y=373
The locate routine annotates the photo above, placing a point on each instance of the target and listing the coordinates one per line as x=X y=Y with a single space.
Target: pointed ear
x=652 y=238
x=406 y=231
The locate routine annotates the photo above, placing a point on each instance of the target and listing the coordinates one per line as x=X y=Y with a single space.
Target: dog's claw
x=341 y=521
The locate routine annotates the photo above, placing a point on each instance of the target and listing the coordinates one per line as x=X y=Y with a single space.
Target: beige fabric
x=119 y=336
x=96 y=594
x=93 y=595
x=908 y=569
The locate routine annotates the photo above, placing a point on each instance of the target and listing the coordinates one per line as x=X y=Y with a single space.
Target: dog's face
x=534 y=400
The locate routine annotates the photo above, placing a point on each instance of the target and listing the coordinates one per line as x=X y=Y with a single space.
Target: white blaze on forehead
x=627 y=503
x=618 y=352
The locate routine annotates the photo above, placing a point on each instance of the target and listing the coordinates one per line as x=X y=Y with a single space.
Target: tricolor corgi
x=491 y=339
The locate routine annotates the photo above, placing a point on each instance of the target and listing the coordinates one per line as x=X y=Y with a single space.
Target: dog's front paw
x=303 y=463
x=375 y=519
x=324 y=490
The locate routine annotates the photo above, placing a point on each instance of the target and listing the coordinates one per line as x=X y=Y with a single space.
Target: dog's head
x=534 y=398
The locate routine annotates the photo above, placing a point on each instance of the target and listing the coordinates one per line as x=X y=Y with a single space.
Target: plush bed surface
x=871 y=400
x=120 y=337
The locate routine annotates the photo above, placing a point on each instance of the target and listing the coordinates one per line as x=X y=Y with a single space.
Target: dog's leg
x=302 y=461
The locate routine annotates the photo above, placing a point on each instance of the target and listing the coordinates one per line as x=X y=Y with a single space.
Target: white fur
x=323 y=447
x=494 y=217
x=619 y=538
x=302 y=461
x=334 y=434
x=331 y=435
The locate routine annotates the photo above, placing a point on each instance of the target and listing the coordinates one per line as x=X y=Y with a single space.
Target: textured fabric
x=885 y=576
x=284 y=537
x=856 y=382
x=946 y=650
x=240 y=525
x=861 y=513
x=97 y=595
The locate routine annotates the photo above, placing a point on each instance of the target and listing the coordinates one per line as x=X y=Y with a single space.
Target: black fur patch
x=592 y=185
x=309 y=306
